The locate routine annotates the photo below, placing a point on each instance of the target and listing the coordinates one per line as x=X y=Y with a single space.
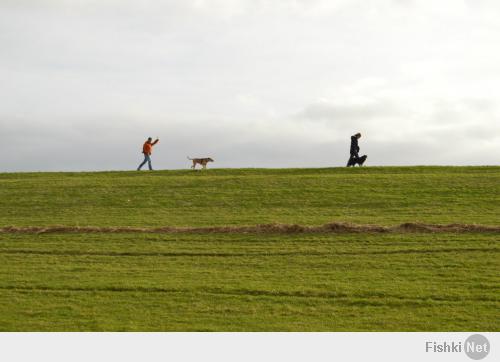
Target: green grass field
x=251 y=281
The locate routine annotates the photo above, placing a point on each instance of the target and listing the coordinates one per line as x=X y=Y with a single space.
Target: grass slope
x=251 y=282
x=379 y=195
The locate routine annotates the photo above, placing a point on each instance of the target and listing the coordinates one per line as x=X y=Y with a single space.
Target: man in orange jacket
x=147 y=149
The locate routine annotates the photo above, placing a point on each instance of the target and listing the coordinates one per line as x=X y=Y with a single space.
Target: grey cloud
x=346 y=113
x=464 y=124
x=104 y=147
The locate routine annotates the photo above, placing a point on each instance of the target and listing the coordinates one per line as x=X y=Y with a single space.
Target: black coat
x=354 y=145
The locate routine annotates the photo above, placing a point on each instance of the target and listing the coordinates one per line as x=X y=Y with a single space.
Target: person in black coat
x=354 y=158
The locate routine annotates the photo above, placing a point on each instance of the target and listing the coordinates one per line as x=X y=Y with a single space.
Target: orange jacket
x=147 y=148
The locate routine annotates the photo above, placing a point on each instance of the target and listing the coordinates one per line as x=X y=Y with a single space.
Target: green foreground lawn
x=250 y=282
x=186 y=282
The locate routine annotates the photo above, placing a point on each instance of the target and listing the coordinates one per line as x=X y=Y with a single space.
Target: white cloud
x=257 y=81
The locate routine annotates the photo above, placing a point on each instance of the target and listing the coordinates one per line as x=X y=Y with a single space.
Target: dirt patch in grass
x=334 y=228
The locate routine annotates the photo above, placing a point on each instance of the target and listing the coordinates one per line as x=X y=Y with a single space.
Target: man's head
x=150 y=139
x=357 y=135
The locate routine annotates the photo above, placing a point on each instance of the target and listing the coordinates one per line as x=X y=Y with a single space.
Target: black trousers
x=353 y=159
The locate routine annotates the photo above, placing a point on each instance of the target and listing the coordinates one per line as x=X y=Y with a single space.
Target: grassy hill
x=377 y=195
x=251 y=281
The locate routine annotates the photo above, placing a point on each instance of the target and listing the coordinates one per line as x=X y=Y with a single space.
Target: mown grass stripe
x=248 y=292
x=246 y=254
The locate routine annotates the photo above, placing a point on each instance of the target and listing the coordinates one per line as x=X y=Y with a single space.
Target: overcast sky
x=278 y=83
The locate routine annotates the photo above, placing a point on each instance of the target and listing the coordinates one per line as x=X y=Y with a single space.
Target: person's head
x=357 y=135
x=150 y=139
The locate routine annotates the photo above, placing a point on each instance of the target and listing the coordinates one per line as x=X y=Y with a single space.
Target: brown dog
x=202 y=161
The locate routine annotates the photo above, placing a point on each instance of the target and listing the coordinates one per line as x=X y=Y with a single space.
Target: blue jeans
x=147 y=158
